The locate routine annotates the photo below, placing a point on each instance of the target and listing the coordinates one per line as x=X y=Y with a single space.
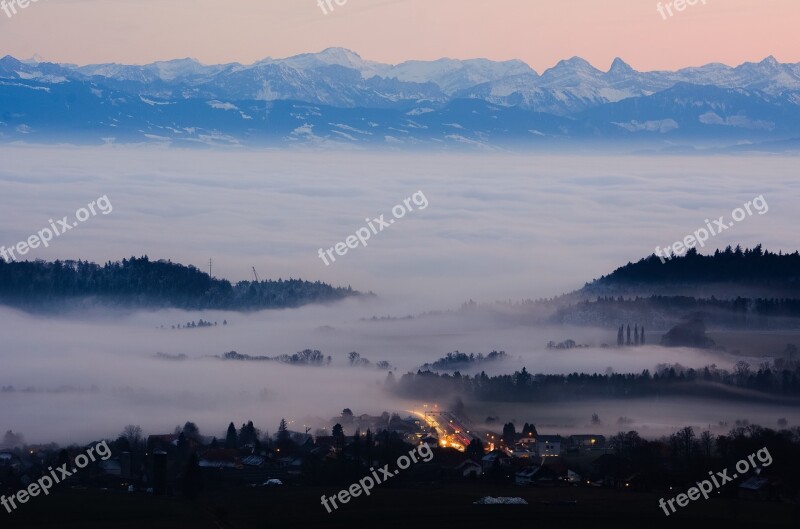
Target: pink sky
x=540 y=32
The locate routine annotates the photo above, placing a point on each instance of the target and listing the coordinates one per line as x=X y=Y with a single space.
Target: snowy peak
x=335 y=93
x=620 y=67
x=331 y=57
x=341 y=56
x=453 y=75
x=174 y=69
x=10 y=62
x=770 y=62
x=35 y=59
x=575 y=64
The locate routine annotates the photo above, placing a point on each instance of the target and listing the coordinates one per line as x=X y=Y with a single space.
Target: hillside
x=142 y=283
x=738 y=271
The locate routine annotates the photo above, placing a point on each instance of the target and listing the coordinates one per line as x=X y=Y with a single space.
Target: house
x=219 y=458
x=407 y=425
x=324 y=451
x=254 y=461
x=292 y=465
x=8 y=459
x=586 y=442
x=757 y=488
x=525 y=477
x=573 y=478
x=429 y=440
x=470 y=469
x=295 y=466
x=521 y=450
x=225 y=466
x=165 y=443
x=544 y=475
x=112 y=467
x=494 y=459
x=548 y=446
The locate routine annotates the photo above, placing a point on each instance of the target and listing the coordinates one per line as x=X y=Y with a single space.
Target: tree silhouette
x=231 y=439
x=475 y=449
x=191 y=431
x=338 y=436
x=133 y=433
x=356 y=447
x=368 y=446
x=509 y=434
x=12 y=440
x=284 y=437
x=248 y=434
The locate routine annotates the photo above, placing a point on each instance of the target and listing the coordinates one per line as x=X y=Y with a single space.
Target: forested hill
x=142 y=283
x=777 y=272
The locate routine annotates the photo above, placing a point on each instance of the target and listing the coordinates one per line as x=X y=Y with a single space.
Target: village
x=186 y=463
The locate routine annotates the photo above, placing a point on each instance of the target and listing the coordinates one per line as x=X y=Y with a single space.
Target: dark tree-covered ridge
x=732 y=265
x=142 y=283
x=778 y=382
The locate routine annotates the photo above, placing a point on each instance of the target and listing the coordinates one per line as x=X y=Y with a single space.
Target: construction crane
x=255 y=274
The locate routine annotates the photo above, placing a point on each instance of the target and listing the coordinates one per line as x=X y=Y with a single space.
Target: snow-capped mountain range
x=337 y=98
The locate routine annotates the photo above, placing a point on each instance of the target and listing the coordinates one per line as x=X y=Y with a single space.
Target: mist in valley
x=75 y=379
x=498 y=227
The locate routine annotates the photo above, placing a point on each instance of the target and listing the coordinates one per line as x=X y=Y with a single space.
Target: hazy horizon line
x=39 y=59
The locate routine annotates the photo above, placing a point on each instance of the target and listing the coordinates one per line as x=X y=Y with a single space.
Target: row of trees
x=456 y=360
x=782 y=377
x=658 y=310
x=306 y=357
x=687 y=455
x=638 y=337
x=247 y=435
x=356 y=360
x=195 y=324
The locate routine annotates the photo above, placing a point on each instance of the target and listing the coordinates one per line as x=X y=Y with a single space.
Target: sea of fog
x=497 y=227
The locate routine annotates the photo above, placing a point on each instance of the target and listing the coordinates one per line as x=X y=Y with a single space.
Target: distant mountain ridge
x=336 y=97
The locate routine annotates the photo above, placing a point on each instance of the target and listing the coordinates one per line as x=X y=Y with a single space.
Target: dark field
x=388 y=507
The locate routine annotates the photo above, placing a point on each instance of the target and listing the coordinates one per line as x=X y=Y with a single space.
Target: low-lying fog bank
x=77 y=378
